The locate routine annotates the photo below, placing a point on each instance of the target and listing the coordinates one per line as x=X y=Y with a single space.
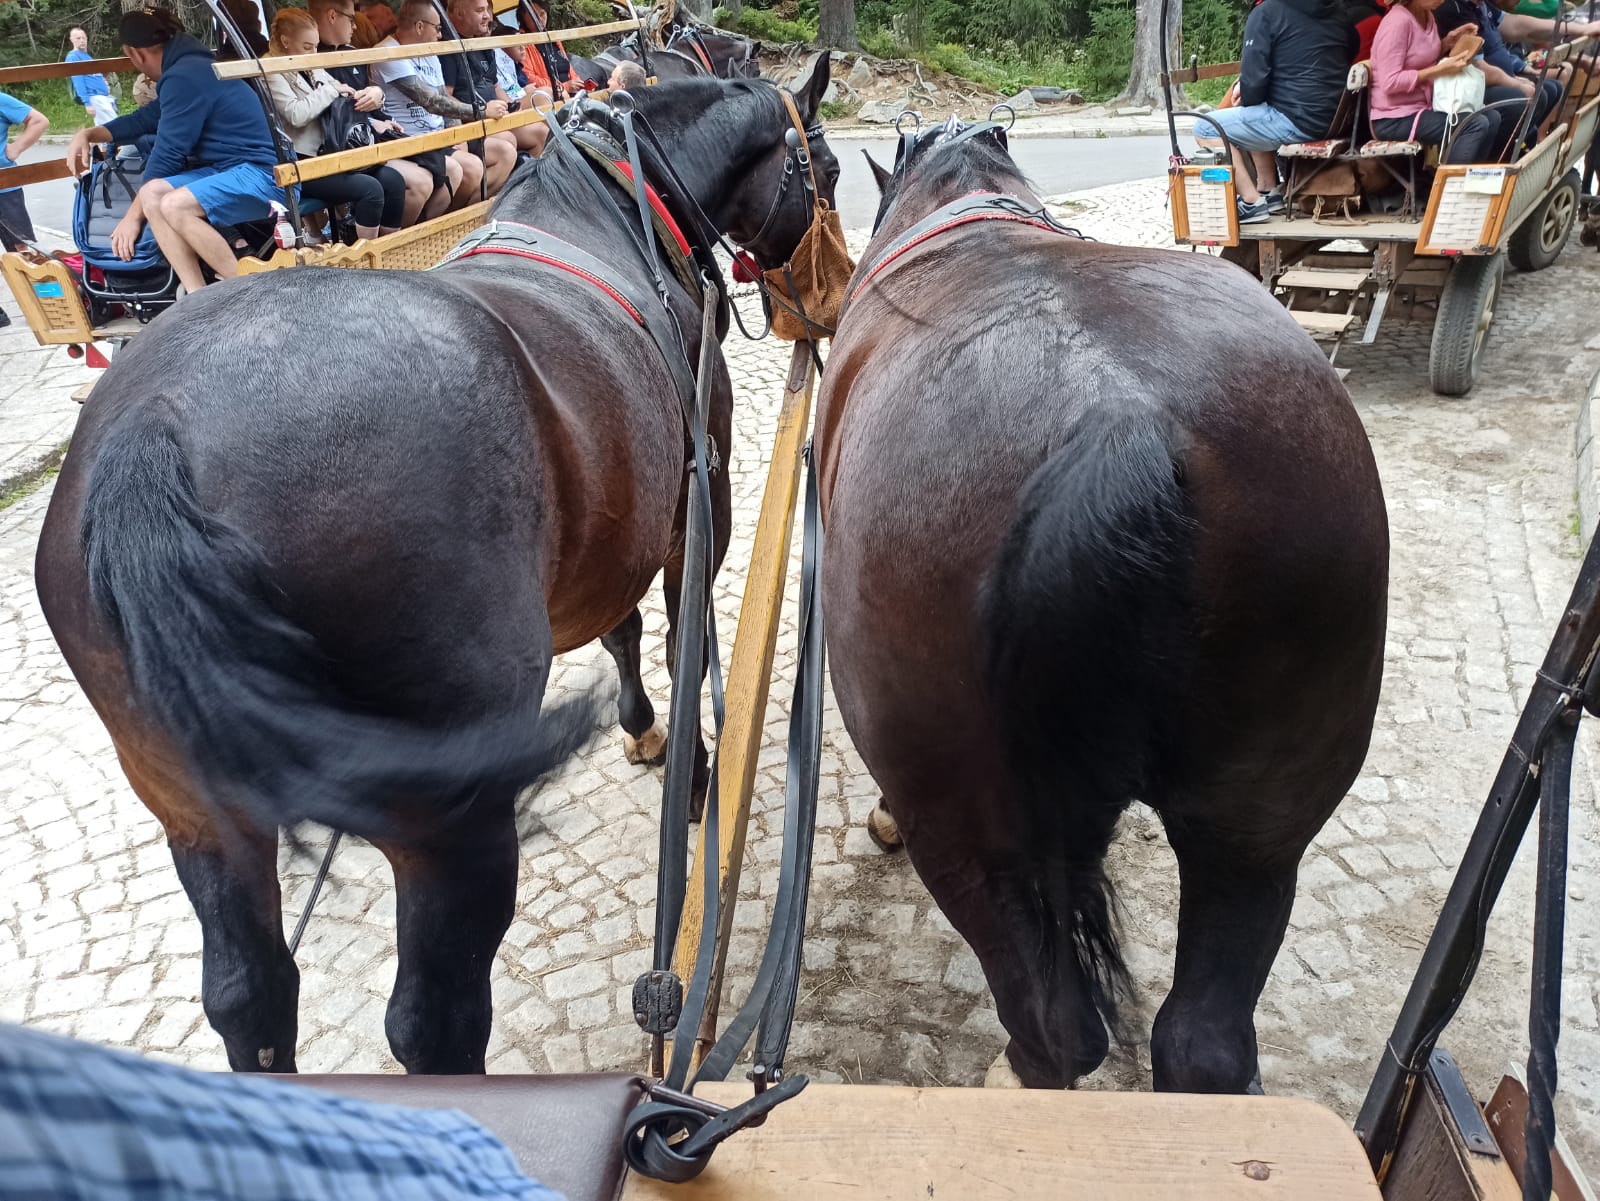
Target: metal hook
x=916 y=121
x=1008 y=109
x=622 y=102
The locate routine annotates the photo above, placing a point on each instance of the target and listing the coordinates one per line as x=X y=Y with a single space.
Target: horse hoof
x=883 y=830
x=1001 y=1074
x=649 y=749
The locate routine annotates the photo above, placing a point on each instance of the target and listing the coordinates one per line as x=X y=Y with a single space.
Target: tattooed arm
x=431 y=100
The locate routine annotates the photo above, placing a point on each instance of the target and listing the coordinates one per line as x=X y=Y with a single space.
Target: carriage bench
x=874 y=1143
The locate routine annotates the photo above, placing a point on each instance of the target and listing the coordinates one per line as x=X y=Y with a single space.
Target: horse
x=664 y=64
x=299 y=585
x=1085 y=545
x=726 y=55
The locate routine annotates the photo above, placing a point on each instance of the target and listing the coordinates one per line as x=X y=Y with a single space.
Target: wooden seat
x=868 y=1143
x=1378 y=149
x=1327 y=148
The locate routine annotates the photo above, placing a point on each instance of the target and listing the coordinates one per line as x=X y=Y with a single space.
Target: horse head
x=937 y=165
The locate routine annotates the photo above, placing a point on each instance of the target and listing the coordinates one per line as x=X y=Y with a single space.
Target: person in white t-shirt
x=414 y=97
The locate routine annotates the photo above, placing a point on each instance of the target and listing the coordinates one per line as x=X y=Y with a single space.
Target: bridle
x=796 y=161
x=914 y=140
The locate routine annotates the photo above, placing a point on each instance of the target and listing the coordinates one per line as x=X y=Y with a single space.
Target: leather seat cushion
x=1389 y=149
x=1327 y=148
x=566 y=1131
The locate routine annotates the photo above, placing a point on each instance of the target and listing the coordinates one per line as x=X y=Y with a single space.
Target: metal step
x=1328 y=279
x=1323 y=325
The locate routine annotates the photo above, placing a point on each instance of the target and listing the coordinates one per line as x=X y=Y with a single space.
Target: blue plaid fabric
x=79 y=1121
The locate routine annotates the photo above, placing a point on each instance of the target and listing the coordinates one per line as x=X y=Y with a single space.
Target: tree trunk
x=734 y=7
x=698 y=8
x=836 y=24
x=1144 y=76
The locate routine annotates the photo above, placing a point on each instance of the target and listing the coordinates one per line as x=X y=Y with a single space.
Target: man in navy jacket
x=1291 y=73
x=213 y=155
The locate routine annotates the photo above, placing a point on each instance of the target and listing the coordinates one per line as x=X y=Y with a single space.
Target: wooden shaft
x=278 y=64
x=749 y=679
x=17 y=177
x=93 y=66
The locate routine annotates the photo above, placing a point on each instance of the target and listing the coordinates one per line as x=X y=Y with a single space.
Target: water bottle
x=282 y=229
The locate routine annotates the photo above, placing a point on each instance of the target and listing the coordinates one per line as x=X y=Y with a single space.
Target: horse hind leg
x=453 y=904
x=644 y=735
x=1233 y=911
x=249 y=985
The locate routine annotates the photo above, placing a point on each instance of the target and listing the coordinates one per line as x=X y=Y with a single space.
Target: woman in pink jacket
x=1407 y=56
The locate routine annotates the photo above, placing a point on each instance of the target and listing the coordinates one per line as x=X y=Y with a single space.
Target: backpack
x=342 y=127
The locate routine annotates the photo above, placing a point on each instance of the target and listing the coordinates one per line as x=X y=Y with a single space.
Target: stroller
x=141 y=287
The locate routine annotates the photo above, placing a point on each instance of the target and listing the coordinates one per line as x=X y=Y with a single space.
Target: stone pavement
x=37 y=411
x=97 y=940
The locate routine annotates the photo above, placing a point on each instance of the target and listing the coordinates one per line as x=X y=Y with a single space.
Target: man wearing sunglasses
x=414 y=97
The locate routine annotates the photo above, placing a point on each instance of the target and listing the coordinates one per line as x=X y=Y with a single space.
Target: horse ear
x=809 y=92
x=881 y=174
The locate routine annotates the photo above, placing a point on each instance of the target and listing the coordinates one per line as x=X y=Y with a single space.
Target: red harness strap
x=963 y=219
x=572 y=268
x=660 y=208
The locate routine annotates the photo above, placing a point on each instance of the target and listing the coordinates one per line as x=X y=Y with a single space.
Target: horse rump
x=1081 y=614
x=247 y=694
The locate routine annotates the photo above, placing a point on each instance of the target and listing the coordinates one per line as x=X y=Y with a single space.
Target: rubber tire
x=1533 y=246
x=1458 y=341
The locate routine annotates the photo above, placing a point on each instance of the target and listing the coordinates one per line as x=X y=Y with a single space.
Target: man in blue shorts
x=1292 y=71
x=213 y=156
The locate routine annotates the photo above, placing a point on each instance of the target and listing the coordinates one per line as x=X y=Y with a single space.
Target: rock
x=861 y=75
x=881 y=112
x=1202 y=108
x=1135 y=110
x=1023 y=103
x=1073 y=96
x=1096 y=110
x=831 y=96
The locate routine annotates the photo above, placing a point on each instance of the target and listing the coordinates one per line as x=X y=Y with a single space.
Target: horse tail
x=245 y=692
x=1080 y=616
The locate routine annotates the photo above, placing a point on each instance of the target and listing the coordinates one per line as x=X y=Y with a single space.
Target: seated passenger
x=546 y=64
x=1291 y=75
x=212 y=160
x=626 y=75
x=336 y=22
x=414 y=98
x=1505 y=75
x=377 y=196
x=1406 y=59
x=475 y=73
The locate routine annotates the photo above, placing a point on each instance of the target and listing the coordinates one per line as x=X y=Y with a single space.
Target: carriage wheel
x=1540 y=238
x=1466 y=311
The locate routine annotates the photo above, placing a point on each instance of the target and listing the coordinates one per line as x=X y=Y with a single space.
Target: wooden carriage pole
x=749 y=679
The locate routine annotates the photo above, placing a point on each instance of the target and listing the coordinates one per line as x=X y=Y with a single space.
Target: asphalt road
x=1054 y=165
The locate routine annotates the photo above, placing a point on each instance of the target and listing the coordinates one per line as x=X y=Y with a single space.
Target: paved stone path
x=97 y=940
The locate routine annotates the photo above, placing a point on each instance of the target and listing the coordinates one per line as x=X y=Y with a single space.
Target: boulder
x=1023 y=103
x=861 y=75
x=1135 y=110
x=1045 y=95
x=1073 y=96
x=881 y=112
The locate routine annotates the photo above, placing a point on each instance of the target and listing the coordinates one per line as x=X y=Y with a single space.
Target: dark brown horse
x=320 y=533
x=1089 y=543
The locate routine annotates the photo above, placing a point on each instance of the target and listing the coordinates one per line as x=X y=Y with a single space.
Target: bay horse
x=1086 y=545
x=320 y=532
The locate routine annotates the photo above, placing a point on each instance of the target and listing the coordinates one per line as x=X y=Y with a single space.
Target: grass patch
x=54 y=98
x=25 y=485
x=766 y=26
x=1208 y=91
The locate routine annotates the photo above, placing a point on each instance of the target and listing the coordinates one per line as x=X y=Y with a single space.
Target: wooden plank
x=1432 y=1162
x=749 y=679
x=1330 y=279
x=865 y=1143
x=20 y=177
x=1506 y=1114
x=1185 y=75
x=322 y=165
x=1323 y=324
x=93 y=66
x=278 y=64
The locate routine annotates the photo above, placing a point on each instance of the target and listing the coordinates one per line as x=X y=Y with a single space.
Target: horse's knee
x=1191 y=1054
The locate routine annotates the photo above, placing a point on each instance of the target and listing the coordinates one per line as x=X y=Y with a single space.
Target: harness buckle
x=658 y=1002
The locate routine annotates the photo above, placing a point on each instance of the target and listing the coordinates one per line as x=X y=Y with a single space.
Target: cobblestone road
x=97 y=940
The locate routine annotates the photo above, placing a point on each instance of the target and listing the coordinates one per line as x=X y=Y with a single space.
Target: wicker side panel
x=422 y=246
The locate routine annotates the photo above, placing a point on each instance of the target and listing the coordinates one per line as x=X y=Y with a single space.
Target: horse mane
x=979 y=165
x=686 y=112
